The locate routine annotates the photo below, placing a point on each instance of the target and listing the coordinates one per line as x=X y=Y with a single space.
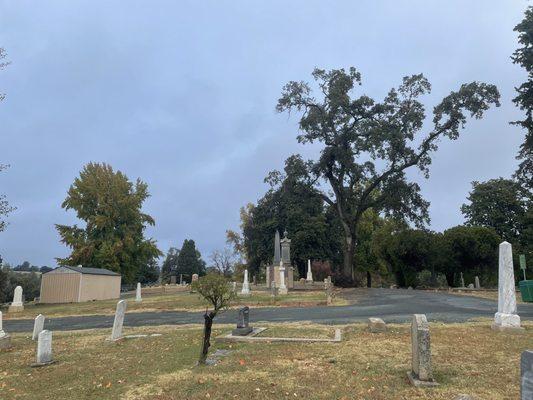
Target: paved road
x=393 y=305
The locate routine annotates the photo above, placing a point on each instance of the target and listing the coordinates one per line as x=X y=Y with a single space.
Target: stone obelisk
x=309 y=277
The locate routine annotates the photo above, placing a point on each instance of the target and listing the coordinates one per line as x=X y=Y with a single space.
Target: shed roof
x=92 y=271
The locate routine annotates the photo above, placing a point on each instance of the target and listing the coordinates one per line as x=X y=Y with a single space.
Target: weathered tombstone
x=5 y=339
x=410 y=288
x=462 y=280
x=477 y=285
x=243 y=321
x=172 y=279
x=470 y=286
x=38 y=326
x=138 y=295
x=16 y=305
x=309 y=277
x=421 y=373
x=245 y=291
x=526 y=375
x=329 y=293
x=506 y=318
x=116 y=334
x=282 y=286
x=273 y=289
x=376 y=325
x=254 y=280
x=44 y=349
x=194 y=278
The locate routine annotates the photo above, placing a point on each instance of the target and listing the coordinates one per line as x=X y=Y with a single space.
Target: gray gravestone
x=526 y=375
x=44 y=349
x=5 y=339
x=38 y=326
x=421 y=373
x=243 y=327
x=376 y=325
x=477 y=285
x=116 y=334
x=138 y=293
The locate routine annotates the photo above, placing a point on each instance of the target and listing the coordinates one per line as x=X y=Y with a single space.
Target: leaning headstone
x=506 y=318
x=5 y=339
x=16 y=305
x=462 y=280
x=477 y=285
x=120 y=312
x=245 y=291
x=38 y=326
x=376 y=325
x=138 y=295
x=44 y=349
x=243 y=327
x=421 y=373
x=526 y=375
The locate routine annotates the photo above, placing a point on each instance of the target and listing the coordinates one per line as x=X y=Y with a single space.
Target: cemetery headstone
x=243 y=321
x=376 y=325
x=526 y=375
x=38 y=326
x=172 y=279
x=522 y=259
x=421 y=373
x=16 y=305
x=44 y=349
x=470 y=286
x=506 y=318
x=477 y=285
x=116 y=333
x=282 y=287
x=5 y=339
x=245 y=291
x=273 y=289
x=462 y=280
x=138 y=295
x=309 y=277
x=194 y=277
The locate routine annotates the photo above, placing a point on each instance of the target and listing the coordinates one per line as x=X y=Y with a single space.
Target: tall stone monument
x=282 y=256
x=506 y=318
x=421 y=374
x=309 y=278
x=16 y=305
x=245 y=291
x=138 y=294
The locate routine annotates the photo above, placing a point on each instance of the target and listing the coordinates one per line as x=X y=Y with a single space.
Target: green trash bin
x=526 y=289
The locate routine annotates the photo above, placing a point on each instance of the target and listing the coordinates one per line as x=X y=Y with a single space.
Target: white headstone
x=44 y=348
x=38 y=326
x=309 y=277
x=116 y=334
x=245 y=284
x=282 y=286
x=138 y=296
x=462 y=280
x=477 y=285
x=506 y=317
x=17 y=296
x=2 y=333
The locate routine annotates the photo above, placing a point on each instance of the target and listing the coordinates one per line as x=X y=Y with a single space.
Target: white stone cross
x=245 y=284
x=506 y=317
x=309 y=277
x=138 y=296
x=38 y=326
x=116 y=334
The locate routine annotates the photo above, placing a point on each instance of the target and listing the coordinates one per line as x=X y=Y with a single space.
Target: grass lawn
x=182 y=301
x=467 y=358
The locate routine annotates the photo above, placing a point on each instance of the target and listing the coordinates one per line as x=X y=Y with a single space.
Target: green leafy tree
x=214 y=288
x=170 y=265
x=5 y=208
x=113 y=236
x=368 y=145
x=500 y=204
x=523 y=56
x=148 y=273
x=189 y=260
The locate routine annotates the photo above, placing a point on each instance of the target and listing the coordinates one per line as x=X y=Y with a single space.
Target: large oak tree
x=367 y=145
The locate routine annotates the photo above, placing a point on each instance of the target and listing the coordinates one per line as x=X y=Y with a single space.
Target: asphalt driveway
x=392 y=305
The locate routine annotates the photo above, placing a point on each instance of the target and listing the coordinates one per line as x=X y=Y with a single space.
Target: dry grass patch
x=468 y=358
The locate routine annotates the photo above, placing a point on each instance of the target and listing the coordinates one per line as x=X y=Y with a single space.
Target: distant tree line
x=186 y=261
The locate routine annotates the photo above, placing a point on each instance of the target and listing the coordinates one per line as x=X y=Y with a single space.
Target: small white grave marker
x=116 y=334
x=38 y=326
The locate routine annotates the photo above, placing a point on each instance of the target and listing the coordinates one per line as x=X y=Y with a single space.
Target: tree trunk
x=368 y=279
x=349 y=255
x=208 y=323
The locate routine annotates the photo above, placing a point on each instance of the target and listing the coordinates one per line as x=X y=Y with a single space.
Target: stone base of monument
x=5 y=342
x=418 y=383
x=507 y=323
x=37 y=365
x=242 y=331
x=283 y=291
x=15 y=309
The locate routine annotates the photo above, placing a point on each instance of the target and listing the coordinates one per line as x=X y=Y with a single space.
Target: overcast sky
x=182 y=95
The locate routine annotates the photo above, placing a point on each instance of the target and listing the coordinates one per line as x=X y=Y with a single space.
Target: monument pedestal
x=14 y=308
x=507 y=323
x=418 y=383
x=242 y=331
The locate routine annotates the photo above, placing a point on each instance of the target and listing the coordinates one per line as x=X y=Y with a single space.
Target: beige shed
x=77 y=284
